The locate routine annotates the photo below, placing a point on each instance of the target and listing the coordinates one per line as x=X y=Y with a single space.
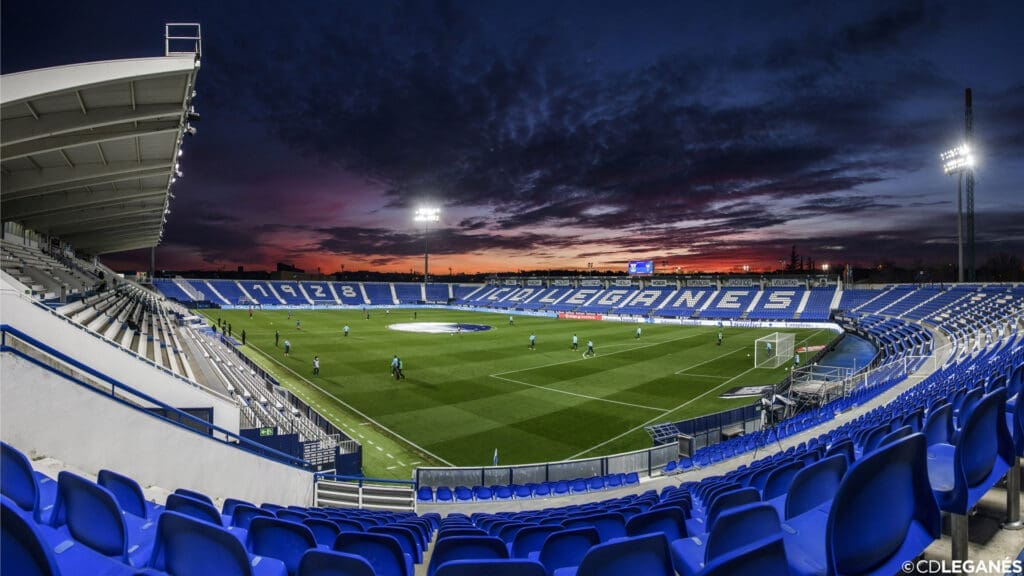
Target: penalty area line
x=683 y=405
x=354 y=409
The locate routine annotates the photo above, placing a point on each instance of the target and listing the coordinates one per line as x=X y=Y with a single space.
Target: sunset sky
x=707 y=135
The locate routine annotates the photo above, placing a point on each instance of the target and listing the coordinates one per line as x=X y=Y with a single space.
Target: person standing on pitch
x=637 y=332
x=345 y=330
x=575 y=342
x=590 y=348
x=287 y=347
x=719 y=337
x=298 y=325
x=533 y=341
x=511 y=320
x=243 y=337
x=316 y=365
x=796 y=359
x=394 y=366
x=401 y=375
x=277 y=338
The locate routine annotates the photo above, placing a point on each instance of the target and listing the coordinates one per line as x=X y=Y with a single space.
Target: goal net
x=773 y=350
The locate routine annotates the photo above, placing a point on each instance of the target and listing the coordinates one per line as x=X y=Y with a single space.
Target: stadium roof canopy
x=88 y=152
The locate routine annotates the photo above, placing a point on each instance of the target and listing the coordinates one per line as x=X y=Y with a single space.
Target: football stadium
x=641 y=418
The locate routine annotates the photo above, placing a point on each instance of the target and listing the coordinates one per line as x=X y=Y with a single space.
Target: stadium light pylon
x=957 y=161
x=426 y=214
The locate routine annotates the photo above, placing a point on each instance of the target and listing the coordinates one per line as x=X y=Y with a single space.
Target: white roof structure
x=88 y=152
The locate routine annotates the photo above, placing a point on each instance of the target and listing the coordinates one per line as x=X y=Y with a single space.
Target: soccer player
x=533 y=341
x=394 y=366
x=250 y=312
x=511 y=320
x=298 y=325
x=590 y=348
x=316 y=365
x=287 y=347
x=796 y=359
x=769 y=345
x=637 y=332
x=289 y=314
x=243 y=337
x=719 y=337
x=345 y=329
x=575 y=342
x=277 y=337
x=401 y=365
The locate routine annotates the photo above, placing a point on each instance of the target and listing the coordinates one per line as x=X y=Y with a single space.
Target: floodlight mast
x=957 y=161
x=426 y=215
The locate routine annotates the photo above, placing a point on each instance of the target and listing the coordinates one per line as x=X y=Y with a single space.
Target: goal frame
x=782 y=347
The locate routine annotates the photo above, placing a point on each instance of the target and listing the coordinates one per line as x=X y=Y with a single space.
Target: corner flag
x=495 y=457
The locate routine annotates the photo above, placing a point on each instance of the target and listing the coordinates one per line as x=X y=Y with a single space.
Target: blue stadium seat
x=938 y=426
x=566 y=548
x=195 y=508
x=668 y=521
x=282 y=539
x=504 y=567
x=530 y=539
x=229 y=506
x=722 y=502
x=815 y=485
x=761 y=558
x=900 y=528
x=128 y=493
x=610 y=525
x=324 y=531
x=91 y=515
x=733 y=530
x=647 y=555
x=406 y=537
x=960 y=475
x=779 y=480
x=291 y=515
x=186 y=545
x=466 y=548
x=29 y=549
x=425 y=494
x=195 y=495
x=382 y=551
x=30 y=490
x=332 y=563
x=242 y=515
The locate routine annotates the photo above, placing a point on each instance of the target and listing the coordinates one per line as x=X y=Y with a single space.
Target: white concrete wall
x=112 y=360
x=47 y=415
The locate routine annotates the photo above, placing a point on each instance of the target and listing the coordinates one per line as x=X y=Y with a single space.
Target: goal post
x=773 y=350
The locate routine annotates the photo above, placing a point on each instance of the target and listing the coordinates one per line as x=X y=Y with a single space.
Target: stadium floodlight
x=957 y=161
x=426 y=215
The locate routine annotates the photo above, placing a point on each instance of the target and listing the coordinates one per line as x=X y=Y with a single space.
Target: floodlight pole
x=426 y=215
x=960 y=226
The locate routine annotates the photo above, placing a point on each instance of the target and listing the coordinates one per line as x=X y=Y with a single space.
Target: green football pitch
x=467 y=394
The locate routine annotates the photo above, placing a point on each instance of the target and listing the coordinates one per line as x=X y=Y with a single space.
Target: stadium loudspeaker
x=687 y=445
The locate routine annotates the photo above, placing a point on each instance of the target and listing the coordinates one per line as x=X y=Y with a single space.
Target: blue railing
x=179 y=417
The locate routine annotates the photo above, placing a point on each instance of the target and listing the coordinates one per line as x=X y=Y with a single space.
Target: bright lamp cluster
x=957 y=160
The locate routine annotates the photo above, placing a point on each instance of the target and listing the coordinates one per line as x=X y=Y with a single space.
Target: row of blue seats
x=77 y=526
x=527 y=490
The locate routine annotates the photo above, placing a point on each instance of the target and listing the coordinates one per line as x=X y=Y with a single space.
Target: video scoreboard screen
x=641 y=267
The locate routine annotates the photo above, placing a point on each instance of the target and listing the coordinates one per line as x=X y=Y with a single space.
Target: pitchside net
x=773 y=350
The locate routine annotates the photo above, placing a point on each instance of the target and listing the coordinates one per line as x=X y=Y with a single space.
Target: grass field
x=465 y=395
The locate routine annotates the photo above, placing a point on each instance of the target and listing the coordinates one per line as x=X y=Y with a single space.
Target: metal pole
x=426 y=257
x=960 y=226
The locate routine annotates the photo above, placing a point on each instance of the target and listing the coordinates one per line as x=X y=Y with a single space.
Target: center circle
x=438 y=327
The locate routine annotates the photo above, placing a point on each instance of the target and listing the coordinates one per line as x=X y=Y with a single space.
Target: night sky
x=706 y=135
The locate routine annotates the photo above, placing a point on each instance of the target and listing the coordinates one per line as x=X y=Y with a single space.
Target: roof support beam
x=22 y=129
x=71 y=200
x=96 y=214
x=69 y=140
x=41 y=182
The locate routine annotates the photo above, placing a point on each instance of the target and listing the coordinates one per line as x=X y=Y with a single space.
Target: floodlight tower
x=969 y=177
x=426 y=215
x=957 y=161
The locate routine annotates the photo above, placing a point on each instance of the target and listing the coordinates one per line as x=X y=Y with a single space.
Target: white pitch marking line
x=390 y=456
x=598 y=398
x=379 y=448
x=708 y=361
x=702 y=375
x=354 y=409
x=684 y=404
x=415 y=463
x=391 y=467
